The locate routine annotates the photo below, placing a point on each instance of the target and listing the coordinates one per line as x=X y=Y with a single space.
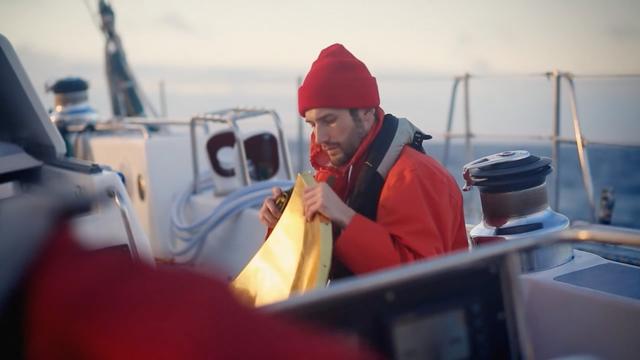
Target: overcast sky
x=438 y=36
x=216 y=54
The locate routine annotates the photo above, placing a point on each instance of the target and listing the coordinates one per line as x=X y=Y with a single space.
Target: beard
x=345 y=151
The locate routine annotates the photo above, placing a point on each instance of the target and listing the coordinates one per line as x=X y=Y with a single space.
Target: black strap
x=366 y=193
x=365 y=196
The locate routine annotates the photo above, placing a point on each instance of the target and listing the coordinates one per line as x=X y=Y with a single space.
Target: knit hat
x=337 y=79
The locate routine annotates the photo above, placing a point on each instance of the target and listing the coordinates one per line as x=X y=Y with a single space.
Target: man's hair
x=357 y=120
x=356 y=117
x=354 y=114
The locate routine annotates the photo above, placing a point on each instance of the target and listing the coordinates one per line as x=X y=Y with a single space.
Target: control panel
x=421 y=311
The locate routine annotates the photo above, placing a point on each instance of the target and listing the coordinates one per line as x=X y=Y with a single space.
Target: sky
x=218 y=54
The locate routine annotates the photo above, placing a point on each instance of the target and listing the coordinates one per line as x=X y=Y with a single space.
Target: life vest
x=382 y=154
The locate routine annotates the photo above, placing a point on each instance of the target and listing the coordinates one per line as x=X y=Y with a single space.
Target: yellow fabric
x=295 y=258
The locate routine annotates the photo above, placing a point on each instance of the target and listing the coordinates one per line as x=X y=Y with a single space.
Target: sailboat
x=525 y=290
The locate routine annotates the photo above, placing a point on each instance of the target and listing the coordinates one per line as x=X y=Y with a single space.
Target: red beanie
x=337 y=79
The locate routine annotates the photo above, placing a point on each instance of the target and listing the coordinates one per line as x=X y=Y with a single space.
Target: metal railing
x=230 y=117
x=118 y=201
x=584 y=233
x=579 y=140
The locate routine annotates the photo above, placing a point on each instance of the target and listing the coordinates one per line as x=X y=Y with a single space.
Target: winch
x=72 y=114
x=71 y=104
x=513 y=193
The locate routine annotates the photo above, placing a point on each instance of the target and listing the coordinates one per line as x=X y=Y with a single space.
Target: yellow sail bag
x=294 y=259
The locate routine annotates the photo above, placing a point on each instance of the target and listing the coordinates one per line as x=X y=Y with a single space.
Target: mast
x=126 y=96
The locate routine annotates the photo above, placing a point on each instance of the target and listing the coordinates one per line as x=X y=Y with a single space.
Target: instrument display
x=444 y=335
x=422 y=311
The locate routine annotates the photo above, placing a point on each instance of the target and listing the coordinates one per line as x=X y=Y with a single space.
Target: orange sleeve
x=419 y=216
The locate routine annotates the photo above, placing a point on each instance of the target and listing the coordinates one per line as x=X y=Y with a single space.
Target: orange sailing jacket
x=419 y=211
x=419 y=216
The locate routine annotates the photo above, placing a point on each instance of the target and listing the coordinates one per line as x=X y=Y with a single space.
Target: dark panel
x=610 y=278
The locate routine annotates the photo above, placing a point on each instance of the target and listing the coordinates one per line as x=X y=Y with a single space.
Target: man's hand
x=320 y=198
x=269 y=212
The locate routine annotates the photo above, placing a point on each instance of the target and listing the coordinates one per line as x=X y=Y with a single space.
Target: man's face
x=338 y=132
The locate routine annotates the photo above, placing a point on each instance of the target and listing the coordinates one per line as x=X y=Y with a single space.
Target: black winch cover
x=507 y=171
x=69 y=85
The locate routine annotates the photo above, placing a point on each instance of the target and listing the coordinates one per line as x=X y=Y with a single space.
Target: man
x=388 y=201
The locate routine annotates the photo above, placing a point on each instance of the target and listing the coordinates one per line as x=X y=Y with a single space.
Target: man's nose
x=322 y=135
